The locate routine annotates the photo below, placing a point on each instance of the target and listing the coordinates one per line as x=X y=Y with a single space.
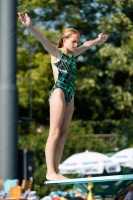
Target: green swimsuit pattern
x=66 y=76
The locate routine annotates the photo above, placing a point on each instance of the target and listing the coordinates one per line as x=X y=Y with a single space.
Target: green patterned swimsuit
x=66 y=76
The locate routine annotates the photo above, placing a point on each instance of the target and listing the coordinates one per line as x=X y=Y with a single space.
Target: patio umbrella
x=89 y=163
x=124 y=157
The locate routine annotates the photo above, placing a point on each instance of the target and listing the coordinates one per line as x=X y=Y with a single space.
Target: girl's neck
x=65 y=51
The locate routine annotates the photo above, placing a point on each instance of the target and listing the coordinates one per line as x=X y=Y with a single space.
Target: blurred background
x=103 y=114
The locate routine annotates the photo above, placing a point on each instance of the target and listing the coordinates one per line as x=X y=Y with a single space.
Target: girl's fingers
x=21 y=15
x=105 y=36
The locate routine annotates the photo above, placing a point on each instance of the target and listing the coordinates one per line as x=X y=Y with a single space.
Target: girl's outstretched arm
x=52 y=49
x=88 y=44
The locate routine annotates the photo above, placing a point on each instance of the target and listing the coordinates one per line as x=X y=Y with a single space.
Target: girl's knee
x=58 y=133
x=63 y=133
x=55 y=133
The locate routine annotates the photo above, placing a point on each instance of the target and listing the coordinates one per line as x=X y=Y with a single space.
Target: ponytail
x=60 y=42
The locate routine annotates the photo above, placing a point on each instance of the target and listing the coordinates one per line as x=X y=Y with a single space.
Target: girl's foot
x=55 y=177
x=52 y=177
x=62 y=177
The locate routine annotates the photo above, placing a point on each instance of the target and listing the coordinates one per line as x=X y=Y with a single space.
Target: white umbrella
x=88 y=163
x=124 y=157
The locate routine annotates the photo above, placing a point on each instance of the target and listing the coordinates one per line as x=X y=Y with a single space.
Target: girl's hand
x=102 y=37
x=24 y=19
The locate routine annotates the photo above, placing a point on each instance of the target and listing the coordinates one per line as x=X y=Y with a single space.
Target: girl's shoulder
x=57 y=56
x=55 y=59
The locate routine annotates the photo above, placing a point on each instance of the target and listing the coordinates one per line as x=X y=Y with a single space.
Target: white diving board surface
x=92 y=179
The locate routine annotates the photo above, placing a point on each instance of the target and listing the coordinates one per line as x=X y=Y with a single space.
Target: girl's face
x=71 y=42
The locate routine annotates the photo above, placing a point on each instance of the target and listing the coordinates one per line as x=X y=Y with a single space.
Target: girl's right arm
x=52 y=49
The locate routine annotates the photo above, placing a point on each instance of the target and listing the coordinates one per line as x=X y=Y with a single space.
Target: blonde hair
x=66 y=34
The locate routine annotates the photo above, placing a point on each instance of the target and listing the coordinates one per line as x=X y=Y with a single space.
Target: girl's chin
x=71 y=49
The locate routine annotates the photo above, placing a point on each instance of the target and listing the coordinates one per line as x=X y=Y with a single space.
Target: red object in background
x=55 y=198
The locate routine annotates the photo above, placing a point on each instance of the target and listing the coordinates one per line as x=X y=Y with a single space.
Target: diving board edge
x=92 y=179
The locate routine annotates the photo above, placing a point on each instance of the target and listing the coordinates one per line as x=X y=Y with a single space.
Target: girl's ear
x=64 y=39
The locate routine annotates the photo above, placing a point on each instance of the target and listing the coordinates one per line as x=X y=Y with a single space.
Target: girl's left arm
x=88 y=44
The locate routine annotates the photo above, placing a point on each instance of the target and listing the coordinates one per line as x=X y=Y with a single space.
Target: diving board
x=92 y=179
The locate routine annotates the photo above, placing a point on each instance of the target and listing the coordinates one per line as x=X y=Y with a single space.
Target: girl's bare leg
x=57 y=110
x=64 y=127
